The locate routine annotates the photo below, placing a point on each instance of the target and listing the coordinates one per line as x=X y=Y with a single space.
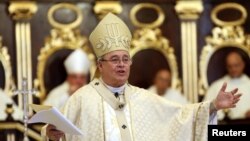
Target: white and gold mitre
x=77 y=62
x=109 y=35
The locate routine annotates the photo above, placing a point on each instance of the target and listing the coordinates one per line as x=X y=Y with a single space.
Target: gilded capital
x=22 y=10
x=189 y=9
x=102 y=8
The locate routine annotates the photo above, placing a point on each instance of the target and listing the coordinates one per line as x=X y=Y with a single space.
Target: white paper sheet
x=50 y=115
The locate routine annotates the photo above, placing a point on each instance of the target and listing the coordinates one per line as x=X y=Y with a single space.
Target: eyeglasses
x=115 y=61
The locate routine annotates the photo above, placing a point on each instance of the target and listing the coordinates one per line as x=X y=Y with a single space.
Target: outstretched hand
x=225 y=99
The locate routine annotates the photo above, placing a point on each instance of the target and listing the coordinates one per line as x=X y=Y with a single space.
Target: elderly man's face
x=115 y=68
x=235 y=65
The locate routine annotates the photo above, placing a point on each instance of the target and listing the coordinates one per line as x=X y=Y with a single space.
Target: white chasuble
x=143 y=116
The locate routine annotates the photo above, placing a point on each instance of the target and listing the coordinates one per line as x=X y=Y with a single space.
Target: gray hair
x=99 y=59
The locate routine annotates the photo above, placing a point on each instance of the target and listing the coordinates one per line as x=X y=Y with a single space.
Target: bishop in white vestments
x=110 y=109
x=77 y=66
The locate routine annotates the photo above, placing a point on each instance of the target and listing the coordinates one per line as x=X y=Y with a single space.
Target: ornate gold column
x=188 y=12
x=21 y=12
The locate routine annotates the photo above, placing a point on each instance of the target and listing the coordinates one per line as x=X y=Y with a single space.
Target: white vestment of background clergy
x=58 y=96
x=243 y=85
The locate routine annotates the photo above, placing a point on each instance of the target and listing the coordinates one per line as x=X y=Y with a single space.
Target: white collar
x=119 y=90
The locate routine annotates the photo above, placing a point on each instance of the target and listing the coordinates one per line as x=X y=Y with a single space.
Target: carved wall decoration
x=7 y=81
x=227 y=34
x=63 y=36
x=148 y=37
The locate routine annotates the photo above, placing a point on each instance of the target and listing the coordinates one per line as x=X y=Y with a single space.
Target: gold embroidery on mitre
x=113 y=37
x=109 y=35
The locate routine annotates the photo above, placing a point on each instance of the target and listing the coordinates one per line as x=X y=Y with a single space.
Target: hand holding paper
x=50 y=115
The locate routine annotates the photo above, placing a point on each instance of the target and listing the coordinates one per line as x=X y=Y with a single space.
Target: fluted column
x=188 y=12
x=21 y=12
